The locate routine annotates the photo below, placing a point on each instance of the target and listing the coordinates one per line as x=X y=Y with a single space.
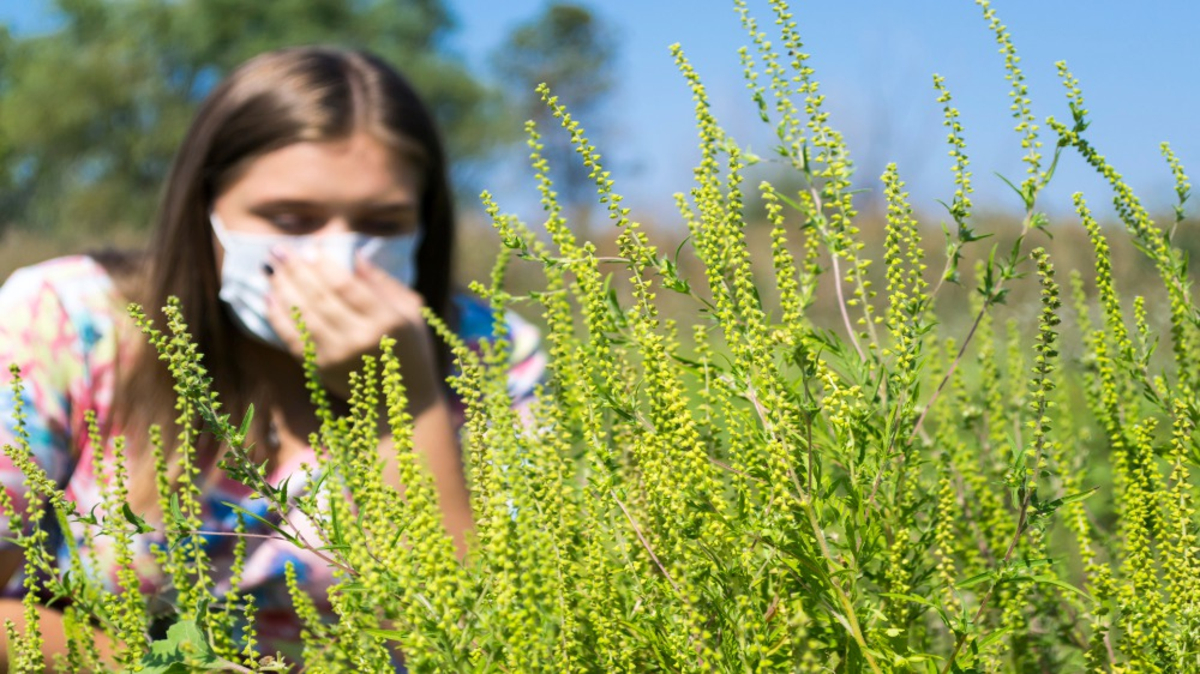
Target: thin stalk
x=950 y=372
x=987 y=304
x=837 y=273
x=320 y=555
x=646 y=544
x=843 y=599
x=1022 y=521
x=866 y=306
x=837 y=276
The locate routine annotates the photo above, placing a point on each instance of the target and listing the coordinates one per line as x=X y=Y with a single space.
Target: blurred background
x=95 y=96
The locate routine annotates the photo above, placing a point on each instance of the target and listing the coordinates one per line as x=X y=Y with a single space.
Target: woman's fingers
x=319 y=288
x=389 y=290
x=322 y=284
x=346 y=312
x=291 y=287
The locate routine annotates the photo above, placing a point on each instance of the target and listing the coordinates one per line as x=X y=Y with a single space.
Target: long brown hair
x=274 y=100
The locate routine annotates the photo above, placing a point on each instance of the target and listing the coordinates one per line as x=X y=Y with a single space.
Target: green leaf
x=614 y=305
x=611 y=403
x=390 y=635
x=1051 y=580
x=945 y=617
x=1032 y=563
x=975 y=580
x=1049 y=173
x=670 y=276
x=1041 y=222
x=992 y=637
x=1024 y=198
x=184 y=649
x=789 y=201
x=1051 y=506
x=246 y=421
x=137 y=522
x=176 y=514
x=337 y=525
x=679 y=248
x=90 y=518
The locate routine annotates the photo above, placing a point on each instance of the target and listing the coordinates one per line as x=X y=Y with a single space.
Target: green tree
x=5 y=144
x=91 y=114
x=573 y=51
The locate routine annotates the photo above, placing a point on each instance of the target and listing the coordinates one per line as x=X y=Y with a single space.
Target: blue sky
x=875 y=60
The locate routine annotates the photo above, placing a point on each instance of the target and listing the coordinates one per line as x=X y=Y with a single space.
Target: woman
x=311 y=178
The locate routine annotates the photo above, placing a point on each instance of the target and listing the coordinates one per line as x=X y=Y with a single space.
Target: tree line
x=92 y=111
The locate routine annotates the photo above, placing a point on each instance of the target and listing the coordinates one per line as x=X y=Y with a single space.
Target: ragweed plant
x=764 y=493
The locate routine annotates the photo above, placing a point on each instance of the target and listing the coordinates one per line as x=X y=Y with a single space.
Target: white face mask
x=244 y=282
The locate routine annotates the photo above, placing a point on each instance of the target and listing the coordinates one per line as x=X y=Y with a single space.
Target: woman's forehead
x=356 y=169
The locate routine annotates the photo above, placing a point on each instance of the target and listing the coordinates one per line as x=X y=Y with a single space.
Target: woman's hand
x=347 y=312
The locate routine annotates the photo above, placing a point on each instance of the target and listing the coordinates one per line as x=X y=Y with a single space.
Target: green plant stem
x=818 y=203
x=837 y=273
x=953 y=367
x=316 y=551
x=987 y=304
x=761 y=410
x=946 y=378
x=646 y=545
x=1022 y=521
x=851 y=618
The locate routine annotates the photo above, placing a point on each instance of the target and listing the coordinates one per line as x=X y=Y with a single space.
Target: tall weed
x=872 y=495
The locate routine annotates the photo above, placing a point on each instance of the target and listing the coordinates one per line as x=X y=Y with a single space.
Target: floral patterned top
x=59 y=321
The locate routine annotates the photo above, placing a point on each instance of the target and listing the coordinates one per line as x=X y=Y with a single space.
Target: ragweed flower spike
x=1022 y=111
x=1183 y=186
x=764 y=499
x=961 y=204
x=1169 y=261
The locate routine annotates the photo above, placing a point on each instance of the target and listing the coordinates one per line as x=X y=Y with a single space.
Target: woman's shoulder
x=59 y=274
x=527 y=359
x=57 y=330
x=74 y=288
x=476 y=323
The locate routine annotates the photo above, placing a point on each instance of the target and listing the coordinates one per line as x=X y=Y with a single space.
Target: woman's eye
x=291 y=223
x=383 y=227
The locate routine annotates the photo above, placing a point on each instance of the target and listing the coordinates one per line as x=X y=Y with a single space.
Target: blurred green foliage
x=91 y=113
x=572 y=51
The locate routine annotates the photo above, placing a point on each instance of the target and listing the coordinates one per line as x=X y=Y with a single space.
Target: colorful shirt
x=60 y=322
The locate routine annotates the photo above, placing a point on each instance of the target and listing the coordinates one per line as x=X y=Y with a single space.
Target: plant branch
x=953 y=368
x=847 y=606
x=645 y=543
x=307 y=546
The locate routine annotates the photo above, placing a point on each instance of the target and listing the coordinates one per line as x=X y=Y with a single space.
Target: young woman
x=311 y=178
